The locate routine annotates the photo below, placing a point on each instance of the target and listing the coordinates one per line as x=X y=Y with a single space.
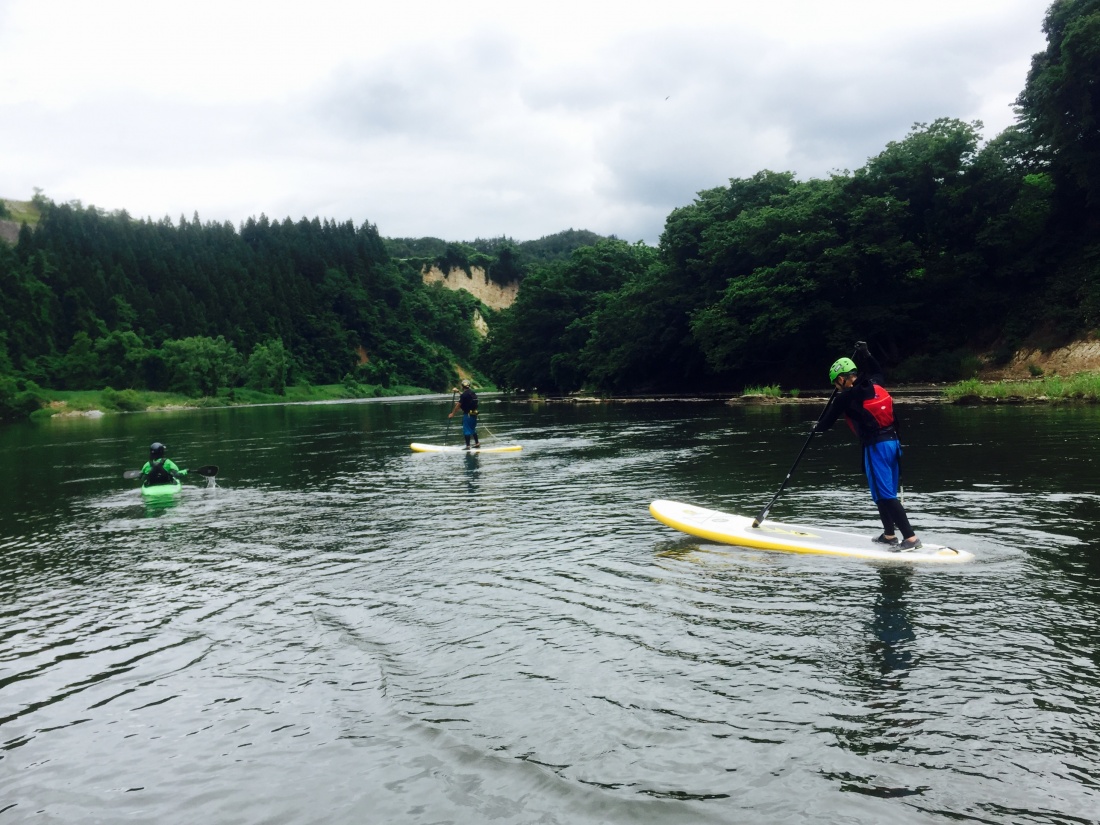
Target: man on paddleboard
x=869 y=410
x=467 y=402
x=159 y=469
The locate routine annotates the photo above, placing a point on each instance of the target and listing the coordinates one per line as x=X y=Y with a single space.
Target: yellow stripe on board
x=440 y=448
x=735 y=530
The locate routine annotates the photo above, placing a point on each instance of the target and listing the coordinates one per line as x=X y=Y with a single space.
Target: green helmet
x=841 y=366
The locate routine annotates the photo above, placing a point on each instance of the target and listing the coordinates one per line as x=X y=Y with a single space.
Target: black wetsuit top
x=850 y=403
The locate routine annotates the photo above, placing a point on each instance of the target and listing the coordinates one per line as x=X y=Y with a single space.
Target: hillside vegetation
x=92 y=300
x=942 y=248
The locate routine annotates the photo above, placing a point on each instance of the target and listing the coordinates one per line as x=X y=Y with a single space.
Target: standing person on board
x=467 y=402
x=159 y=469
x=869 y=409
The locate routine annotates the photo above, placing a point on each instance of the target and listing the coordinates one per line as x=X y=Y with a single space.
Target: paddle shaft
x=760 y=518
x=207 y=470
x=447 y=429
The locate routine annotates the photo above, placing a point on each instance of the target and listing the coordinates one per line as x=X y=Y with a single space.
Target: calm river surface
x=343 y=631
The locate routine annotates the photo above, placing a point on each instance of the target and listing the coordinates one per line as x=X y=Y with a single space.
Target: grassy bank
x=63 y=402
x=1081 y=387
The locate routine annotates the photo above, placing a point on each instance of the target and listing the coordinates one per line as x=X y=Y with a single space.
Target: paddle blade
x=132 y=474
x=209 y=470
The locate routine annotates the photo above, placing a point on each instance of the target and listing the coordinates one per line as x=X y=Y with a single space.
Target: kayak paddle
x=207 y=470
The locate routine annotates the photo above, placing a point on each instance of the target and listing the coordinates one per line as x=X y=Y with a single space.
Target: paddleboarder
x=869 y=410
x=467 y=402
x=159 y=469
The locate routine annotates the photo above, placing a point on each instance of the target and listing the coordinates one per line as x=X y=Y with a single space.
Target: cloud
x=484 y=118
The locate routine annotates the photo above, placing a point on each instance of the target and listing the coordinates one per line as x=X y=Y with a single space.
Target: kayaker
x=467 y=402
x=159 y=469
x=869 y=409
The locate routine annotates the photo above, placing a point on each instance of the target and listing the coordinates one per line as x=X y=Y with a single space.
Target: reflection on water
x=341 y=630
x=893 y=634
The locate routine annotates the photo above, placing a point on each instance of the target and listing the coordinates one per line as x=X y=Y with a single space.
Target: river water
x=344 y=631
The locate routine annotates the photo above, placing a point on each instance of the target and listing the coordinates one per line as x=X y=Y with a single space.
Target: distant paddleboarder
x=869 y=409
x=467 y=402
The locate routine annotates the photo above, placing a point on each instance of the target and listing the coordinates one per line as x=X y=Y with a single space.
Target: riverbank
x=1054 y=389
x=1042 y=389
x=1083 y=387
x=94 y=403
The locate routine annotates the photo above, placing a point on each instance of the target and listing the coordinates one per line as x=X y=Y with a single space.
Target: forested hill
x=92 y=300
x=940 y=248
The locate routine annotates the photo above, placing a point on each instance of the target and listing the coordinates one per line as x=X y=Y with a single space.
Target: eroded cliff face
x=477 y=284
x=9 y=231
x=1080 y=356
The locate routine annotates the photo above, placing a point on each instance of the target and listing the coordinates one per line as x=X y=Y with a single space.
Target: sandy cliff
x=477 y=284
x=1080 y=356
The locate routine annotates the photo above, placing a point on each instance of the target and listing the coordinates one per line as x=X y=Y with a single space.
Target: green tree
x=122 y=358
x=268 y=367
x=539 y=341
x=1060 y=103
x=80 y=365
x=200 y=366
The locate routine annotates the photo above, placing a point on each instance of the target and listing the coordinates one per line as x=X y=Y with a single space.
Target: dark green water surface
x=343 y=631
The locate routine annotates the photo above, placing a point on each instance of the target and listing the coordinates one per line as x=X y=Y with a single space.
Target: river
x=343 y=631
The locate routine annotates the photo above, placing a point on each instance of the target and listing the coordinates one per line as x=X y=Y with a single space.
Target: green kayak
x=161 y=490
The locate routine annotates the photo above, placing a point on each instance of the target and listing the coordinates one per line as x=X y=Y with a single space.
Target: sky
x=479 y=119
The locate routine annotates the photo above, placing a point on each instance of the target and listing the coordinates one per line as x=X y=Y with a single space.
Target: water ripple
x=342 y=625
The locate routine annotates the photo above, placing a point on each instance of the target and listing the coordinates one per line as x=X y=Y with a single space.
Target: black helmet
x=157 y=450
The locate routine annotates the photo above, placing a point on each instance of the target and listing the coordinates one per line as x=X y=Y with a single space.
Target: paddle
x=447 y=429
x=208 y=470
x=760 y=518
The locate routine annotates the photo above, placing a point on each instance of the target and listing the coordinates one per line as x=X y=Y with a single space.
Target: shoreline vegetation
x=1084 y=387
x=92 y=403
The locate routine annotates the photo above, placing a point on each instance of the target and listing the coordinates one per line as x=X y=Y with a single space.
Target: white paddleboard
x=441 y=448
x=727 y=528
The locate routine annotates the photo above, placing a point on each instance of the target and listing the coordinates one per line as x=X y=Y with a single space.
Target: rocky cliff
x=477 y=283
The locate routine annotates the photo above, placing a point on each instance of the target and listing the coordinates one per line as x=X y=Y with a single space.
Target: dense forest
x=942 y=246
x=93 y=300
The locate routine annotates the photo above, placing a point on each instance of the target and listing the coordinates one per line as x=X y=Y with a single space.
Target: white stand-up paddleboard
x=791 y=538
x=440 y=448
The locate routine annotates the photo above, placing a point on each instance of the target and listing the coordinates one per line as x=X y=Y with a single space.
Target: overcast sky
x=480 y=118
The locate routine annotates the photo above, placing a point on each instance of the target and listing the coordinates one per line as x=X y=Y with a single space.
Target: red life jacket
x=880 y=408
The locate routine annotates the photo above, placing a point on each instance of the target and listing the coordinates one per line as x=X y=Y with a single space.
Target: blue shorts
x=880 y=463
x=469 y=424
